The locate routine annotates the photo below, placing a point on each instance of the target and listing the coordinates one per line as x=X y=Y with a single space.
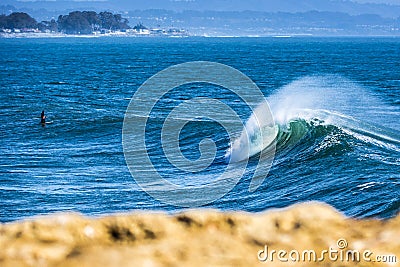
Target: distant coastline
x=39 y=35
x=63 y=35
x=79 y=24
x=189 y=23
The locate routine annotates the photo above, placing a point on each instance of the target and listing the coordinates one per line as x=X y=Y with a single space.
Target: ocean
x=335 y=102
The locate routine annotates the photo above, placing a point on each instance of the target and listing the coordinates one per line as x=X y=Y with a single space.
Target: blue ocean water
x=336 y=101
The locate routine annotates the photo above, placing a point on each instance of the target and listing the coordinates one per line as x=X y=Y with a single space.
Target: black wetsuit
x=42 y=117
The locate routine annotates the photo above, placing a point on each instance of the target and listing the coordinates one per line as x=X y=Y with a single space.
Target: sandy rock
x=201 y=238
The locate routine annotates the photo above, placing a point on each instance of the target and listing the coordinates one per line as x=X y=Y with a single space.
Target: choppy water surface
x=335 y=102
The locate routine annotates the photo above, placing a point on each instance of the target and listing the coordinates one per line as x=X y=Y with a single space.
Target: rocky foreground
x=203 y=238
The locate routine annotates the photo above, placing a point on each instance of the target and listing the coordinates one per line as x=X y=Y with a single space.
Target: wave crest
x=301 y=107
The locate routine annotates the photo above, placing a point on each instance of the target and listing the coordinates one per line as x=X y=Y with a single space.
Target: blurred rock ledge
x=193 y=238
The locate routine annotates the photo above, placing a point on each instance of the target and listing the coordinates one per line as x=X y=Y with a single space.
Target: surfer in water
x=42 y=118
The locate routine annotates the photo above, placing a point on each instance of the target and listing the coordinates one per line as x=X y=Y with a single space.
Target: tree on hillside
x=108 y=21
x=113 y=22
x=74 y=23
x=48 y=25
x=93 y=20
x=139 y=27
x=86 y=22
x=3 y=21
x=17 y=20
